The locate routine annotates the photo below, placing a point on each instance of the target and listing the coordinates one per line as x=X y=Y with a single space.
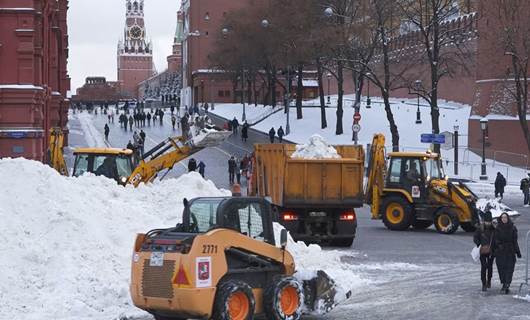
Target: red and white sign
x=204 y=272
x=357 y=117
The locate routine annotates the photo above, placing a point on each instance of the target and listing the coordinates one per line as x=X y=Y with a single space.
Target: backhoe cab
x=222 y=262
x=414 y=191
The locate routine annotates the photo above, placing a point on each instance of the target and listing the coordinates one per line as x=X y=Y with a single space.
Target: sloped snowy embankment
x=66 y=242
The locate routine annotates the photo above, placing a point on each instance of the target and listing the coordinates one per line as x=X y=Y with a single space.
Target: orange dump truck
x=313 y=198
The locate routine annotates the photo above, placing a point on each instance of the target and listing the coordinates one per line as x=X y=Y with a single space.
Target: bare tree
x=444 y=53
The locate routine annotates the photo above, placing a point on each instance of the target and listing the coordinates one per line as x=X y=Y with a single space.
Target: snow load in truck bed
x=316 y=148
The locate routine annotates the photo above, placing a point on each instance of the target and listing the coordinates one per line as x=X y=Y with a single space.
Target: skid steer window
x=203 y=216
x=251 y=221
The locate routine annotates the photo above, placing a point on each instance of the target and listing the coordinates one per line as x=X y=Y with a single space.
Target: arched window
x=135 y=6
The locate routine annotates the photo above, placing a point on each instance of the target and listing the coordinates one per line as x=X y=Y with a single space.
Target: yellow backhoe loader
x=123 y=166
x=414 y=191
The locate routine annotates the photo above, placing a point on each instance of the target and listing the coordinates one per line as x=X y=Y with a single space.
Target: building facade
x=33 y=75
x=97 y=90
x=135 y=56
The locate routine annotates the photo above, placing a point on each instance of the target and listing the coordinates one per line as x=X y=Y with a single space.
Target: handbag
x=485 y=250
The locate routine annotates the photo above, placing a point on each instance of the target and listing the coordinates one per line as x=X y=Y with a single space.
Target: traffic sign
x=433 y=138
x=356 y=127
x=357 y=117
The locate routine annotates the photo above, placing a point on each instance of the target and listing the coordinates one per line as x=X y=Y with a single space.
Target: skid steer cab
x=222 y=262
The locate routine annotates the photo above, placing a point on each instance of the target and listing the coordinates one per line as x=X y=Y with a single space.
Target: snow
x=67 y=242
x=496 y=208
x=20 y=87
x=316 y=148
x=91 y=133
x=527 y=298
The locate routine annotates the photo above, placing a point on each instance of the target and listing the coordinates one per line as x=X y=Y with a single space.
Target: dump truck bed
x=309 y=182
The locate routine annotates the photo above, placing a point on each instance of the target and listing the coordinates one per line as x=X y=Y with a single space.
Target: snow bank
x=317 y=148
x=311 y=258
x=527 y=298
x=496 y=208
x=67 y=242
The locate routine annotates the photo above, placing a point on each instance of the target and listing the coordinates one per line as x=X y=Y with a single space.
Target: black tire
x=446 y=221
x=347 y=242
x=227 y=291
x=468 y=227
x=421 y=224
x=167 y=318
x=397 y=213
x=273 y=306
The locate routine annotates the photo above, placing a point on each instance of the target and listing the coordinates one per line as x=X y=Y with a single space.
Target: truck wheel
x=421 y=224
x=234 y=300
x=446 y=221
x=468 y=227
x=397 y=213
x=167 y=318
x=284 y=299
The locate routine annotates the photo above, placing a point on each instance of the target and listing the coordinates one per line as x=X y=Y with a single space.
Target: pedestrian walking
x=483 y=238
x=148 y=118
x=130 y=146
x=173 y=121
x=192 y=165
x=131 y=122
x=125 y=122
x=238 y=172
x=280 y=133
x=244 y=132
x=272 y=134
x=505 y=249
x=525 y=188
x=111 y=116
x=142 y=141
x=108 y=117
x=235 y=125
x=107 y=131
x=243 y=167
x=202 y=167
x=161 y=115
x=500 y=183
x=231 y=169
x=172 y=109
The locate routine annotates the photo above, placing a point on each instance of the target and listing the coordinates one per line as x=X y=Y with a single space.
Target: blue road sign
x=433 y=138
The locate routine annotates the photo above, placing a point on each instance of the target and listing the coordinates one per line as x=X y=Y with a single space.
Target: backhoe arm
x=376 y=173
x=158 y=159
x=55 y=152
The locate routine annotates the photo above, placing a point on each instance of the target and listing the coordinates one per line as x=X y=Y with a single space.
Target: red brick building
x=99 y=90
x=33 y=77
x=135 y=56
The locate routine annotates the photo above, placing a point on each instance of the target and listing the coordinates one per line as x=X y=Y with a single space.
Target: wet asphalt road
x=441 y=283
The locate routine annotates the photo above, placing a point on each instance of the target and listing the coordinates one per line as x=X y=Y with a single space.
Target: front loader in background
x=414 y=191
x=223 y=262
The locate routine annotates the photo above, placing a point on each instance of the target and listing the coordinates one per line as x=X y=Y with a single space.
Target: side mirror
x=283 y=239
x=186 y=202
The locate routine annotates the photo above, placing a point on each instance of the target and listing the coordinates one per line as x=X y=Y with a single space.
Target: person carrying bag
x=483 y=239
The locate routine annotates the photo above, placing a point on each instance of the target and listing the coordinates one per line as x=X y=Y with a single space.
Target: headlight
x=123 y=180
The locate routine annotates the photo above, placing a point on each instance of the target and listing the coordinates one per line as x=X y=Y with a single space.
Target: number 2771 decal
x=209 y=249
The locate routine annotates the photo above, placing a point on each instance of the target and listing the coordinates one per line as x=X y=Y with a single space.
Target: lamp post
x=456 y=127
x=484 y=128
x=329 y=87
x=368 y=100
x=266 y=24
x=417 y=85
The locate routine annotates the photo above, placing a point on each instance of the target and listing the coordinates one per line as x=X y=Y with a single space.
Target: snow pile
x=317 y=148
x=309 y=259
x=496 y=208
x=527 y=298
x=67 y=242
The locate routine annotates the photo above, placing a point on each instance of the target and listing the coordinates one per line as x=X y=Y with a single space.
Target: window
x=413 y=170
x=203 y=215
x=221 y=93
x=81 y=165
x=394 y=175
x=434 y=169
x=251 y=221
x=227 y=93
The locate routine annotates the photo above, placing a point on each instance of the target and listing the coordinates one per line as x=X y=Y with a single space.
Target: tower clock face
x=135 y=32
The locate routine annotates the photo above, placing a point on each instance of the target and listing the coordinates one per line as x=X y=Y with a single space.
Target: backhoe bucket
x=210 y=138
x=322 y=295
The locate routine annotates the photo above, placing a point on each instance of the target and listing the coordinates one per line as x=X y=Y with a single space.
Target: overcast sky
x=95 y=26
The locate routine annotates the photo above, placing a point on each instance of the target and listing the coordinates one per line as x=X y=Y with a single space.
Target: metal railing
x=524 y=289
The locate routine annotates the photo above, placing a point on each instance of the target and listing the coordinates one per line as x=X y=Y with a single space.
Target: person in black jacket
x=525 y=188
x=192 y=165
x=505 y=248
x=272 y=134
x=500 y=183
x=231 y=169
x=484 y=238
x=281 y=133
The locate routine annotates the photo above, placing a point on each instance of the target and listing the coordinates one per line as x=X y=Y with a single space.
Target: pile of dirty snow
x=527 y=298
x=309 y=259
x=496 y=208
x=317 y=148
x=67 y=242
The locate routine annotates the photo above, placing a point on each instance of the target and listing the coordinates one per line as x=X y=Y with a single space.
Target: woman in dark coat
x=484 y=238
x=505 y=248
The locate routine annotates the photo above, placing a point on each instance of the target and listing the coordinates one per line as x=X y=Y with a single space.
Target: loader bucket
x=321 y=294
x=210 y=138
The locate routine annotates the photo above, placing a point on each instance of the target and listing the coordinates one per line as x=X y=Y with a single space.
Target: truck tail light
x=289 y=216
x=348 y=215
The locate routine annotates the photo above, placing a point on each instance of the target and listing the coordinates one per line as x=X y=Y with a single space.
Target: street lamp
x=368 y=100
x=329 y=86
x=484 y=128
x=328 y=12
x=266 y=24
x=417 y=85
x=456 y=127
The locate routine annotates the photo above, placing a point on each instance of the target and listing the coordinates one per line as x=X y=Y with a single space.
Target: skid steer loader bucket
x=321 y=294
